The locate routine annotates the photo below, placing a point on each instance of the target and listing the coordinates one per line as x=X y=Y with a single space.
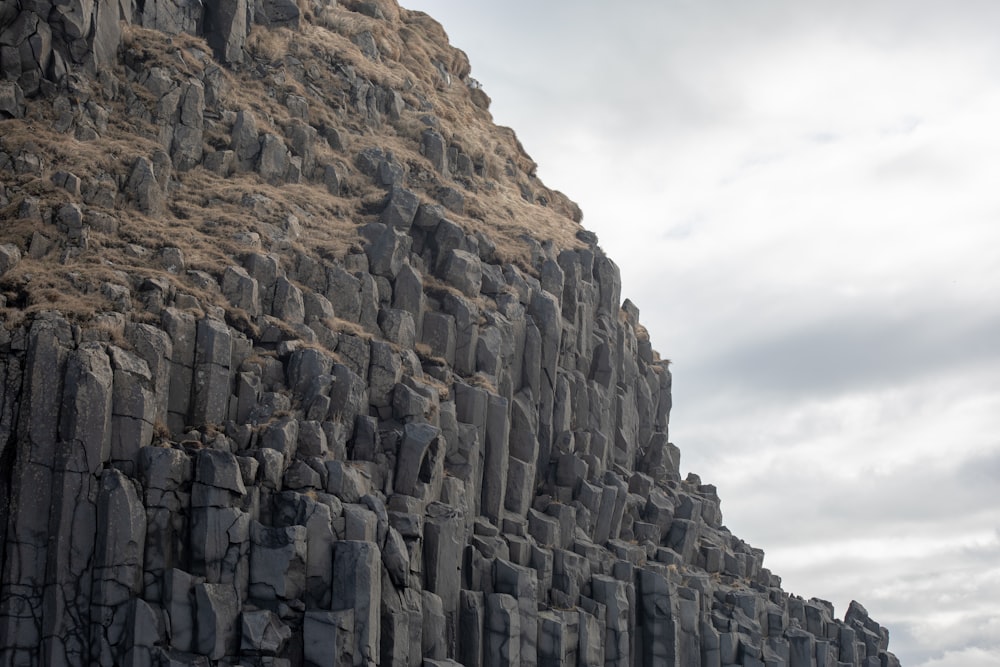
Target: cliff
x=300 y=364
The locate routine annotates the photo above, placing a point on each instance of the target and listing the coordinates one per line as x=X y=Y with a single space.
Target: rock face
x=230 y=436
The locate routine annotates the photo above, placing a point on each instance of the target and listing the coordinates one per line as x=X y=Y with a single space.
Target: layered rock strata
x=437 y=442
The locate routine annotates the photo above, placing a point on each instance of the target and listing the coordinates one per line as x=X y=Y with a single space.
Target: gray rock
x=464 y=271
x=172 y=16
x=277 y=562
x=558 y=637
x=226 y=29
x=302 y=136
x=438 y=333
x=186 y=146
x=272 y=164
x=443 y=543
x=592 y=634
x=277 y=13
x=217 y=609
x=86 y=411
x=213 y=356
x=397 y=326
x=357 y=585
x=118 y=557
x=143 y=188
x=245 y=141
x=289 y=304
x=346 y=482
x=497 y=430
x=434 y=643
x=385 y=372
x=181 y=327
x=328 y=638
x=661 y=627
x=419 y=449
x=10 y=255
x=395 y=557
x=522 y=584
x=503 y=631
x=179 y=602
x=433 y=147
x=387 y=248
x=133 y=408
x=154 y=347
x=520 y=486
x=614 y=596
x=343 y=291
x=365 y=41
x=304 y=365
x=400 y=209
x=282 y=436
x=11 y=101
x=263 y=633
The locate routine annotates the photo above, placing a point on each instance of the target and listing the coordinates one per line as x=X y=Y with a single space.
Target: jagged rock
x=11 y=100
x=133 y=408
x=387 y=249
x=357 y=584
x=328 y=638
x=277 y=562
x=143 y=187
x=277 y=13
x=503 y=631
x=216 y=610
x=400 y=209
x=464 y=271
x=226 y=29
x=273 y=160
x=213 y=357
x=263 y=633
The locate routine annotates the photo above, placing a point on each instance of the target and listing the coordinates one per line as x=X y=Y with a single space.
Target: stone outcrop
x=229 y=436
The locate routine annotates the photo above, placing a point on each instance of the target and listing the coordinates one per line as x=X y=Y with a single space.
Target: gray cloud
x=857 y=350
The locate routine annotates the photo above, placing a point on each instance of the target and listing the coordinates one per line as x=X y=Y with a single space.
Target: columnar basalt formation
x=301 y=365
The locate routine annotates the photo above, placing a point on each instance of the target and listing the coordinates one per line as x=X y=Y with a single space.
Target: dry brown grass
x=206 y=214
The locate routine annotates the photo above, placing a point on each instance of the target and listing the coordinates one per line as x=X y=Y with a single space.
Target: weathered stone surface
x=400 y=209
x=217 y=609
x=117 y=574
x=143 y=187
x=277 y=562
x=226 y=29
x=328 y=638
x=420 y=448
x=263 y=633
x=522 y=584
x=10 y=255
x=133 y=408
x=357 y=585
x=464 y=271
x=278 y=13
x=213 y=357
x=11 y=102
x=503 y=631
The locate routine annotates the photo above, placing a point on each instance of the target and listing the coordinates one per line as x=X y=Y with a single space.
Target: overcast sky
x=804 y=200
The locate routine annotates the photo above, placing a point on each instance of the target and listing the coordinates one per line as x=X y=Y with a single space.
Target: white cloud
x=971 y=657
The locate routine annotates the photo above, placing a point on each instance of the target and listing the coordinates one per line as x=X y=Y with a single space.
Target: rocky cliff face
x=301 y=365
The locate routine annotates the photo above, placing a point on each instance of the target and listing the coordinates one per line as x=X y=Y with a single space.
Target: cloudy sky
x=804 y=199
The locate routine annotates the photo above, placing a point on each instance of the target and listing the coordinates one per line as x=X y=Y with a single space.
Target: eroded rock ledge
x=301 y=365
